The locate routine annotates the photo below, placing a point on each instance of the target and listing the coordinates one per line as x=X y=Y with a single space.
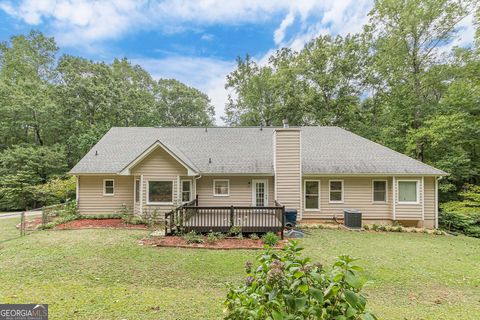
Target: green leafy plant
x=100 y=216
x=285 y=285
x=270 y=239
x=398 y=228
x=254 y=236
x=463 y=216
x=235 y=230
x=213 y=237
x=193 y=237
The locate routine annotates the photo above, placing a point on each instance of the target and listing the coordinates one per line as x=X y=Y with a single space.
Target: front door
x=259 y=193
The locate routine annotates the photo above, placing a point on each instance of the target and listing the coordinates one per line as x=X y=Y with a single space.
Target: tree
x=53 y=111
x=321 y=84
x=180 y=105
x=408 y=40
x=24 y=166
x=27 y=68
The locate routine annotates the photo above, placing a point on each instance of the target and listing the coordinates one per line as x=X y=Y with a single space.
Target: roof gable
x=178 y=156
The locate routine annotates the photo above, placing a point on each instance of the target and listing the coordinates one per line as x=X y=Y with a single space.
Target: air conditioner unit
x=352 y=218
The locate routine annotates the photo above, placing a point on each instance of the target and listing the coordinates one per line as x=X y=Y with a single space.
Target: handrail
x=173 y=211
x=235 y=207
x=191 y=216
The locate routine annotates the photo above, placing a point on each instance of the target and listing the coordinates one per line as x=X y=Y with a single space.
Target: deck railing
x=190 y=216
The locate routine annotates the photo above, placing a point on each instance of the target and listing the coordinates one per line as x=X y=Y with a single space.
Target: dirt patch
x=98 y=223
x=223 y=244
x=31 y=224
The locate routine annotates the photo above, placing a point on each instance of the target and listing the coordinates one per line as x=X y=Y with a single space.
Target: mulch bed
x=98 y=224
x=224 y=244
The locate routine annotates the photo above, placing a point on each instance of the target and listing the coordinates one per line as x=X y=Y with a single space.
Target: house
x=319 y=171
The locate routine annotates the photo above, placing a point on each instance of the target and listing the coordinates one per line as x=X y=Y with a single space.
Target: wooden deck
x=221 y=218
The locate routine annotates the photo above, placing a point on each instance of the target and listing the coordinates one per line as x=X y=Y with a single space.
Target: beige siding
x=159 y=165
x=240 y=191
x=409 y=211
x=92 y=201
x=357 y=194
x=288 y=174
x=429 y=202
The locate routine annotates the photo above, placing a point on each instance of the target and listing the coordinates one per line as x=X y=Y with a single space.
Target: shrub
x=254 y=236
x=193 y=237
x=213 y=237
x=150 y=217
x=463 y=216
x=287 y=286
x=270 y=239
x=375 y=227
x=100 y=216
x=366 y=227
x=235 y=230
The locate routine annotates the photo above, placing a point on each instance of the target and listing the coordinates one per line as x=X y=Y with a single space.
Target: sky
x=195 y=42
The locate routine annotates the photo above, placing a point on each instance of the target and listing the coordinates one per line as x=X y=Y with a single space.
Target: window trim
x=136 y=190
x=160 y=203
x=373 y=190
x=305 y=195
x=417 y=186
x=228 y=186
x=105 y=187
x=181 y=190
x=330 y=191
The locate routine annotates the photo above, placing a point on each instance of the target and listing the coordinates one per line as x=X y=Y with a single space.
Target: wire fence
x=18 y=224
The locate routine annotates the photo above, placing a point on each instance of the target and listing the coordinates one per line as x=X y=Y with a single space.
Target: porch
x=250 y=219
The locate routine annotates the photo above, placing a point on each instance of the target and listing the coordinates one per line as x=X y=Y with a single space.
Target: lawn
x=105 y=274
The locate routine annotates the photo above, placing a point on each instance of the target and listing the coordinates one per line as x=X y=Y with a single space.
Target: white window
x=108 y=187
x=379 y=189
x=137 y=190
x=312 y=194
x=408 y=191
x=221 y=187
x=336 y=191
x=159 y=192
x=186 y=190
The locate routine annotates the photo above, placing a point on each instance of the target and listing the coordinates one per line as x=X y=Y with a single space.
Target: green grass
x=105 y=274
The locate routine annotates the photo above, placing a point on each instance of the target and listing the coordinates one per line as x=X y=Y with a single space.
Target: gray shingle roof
x=325 y=150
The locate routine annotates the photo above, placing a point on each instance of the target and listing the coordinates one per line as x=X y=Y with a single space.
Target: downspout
x=436 y=202
x=394 y=198
x=77 y=188
x=195 y=186
x=423 y=200
x=141 y=195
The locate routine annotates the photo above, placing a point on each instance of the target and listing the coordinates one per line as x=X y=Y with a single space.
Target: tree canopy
x=54 y=109
x=399 y=82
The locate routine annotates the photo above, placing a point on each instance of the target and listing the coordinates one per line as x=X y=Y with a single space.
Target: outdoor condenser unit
x=352 y=218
